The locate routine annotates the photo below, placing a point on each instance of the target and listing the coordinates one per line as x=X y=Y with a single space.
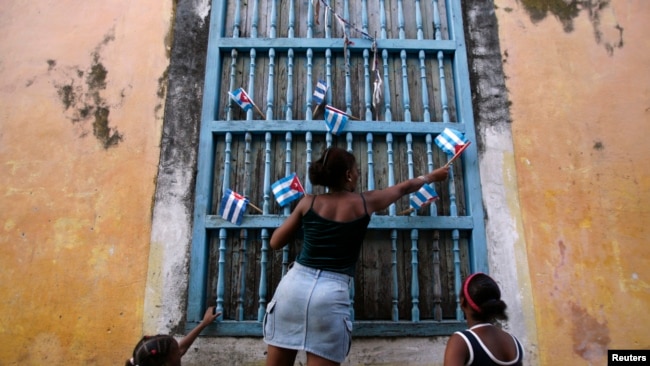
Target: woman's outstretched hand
x=438 y=175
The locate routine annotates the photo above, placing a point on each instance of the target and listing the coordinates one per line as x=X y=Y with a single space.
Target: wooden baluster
x=287 y=208
x=382 y=19
x=415 y=283
x=223 y=233
x=441 y=64
x=256 y=18
x=423 y=83
x=273 y=28
x=270 y=94
x=237 y=21
x=405 y=88
x=388 y=114
x=232 y=86
x=433 y=210
x=289 y=110
x=418 y=20
x=366 y=84
x=243 y=234
x=251 y=83
x=243 y=237
x=309 y=93
x=400 y=19
x=393 y=233
x=264 y=258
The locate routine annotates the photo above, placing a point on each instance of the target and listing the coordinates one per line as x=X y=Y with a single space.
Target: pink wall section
x=580 y=122
x=75 y=199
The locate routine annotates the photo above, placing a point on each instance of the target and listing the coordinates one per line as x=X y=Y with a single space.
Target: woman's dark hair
x=152 y=351
x=330 y=169
x=484 y=297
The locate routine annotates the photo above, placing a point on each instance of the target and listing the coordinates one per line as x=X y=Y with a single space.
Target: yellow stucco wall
x=80 y=118
x=580 y=119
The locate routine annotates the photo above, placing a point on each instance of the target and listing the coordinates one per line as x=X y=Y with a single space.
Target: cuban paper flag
x=233 y=205
x=423 y=197
x=240 y=97
x=451 y=141
x=287 y=189
x=319 y=93
x=335 y=119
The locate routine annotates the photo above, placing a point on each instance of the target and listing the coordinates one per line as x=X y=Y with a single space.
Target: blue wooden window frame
x=206 y=222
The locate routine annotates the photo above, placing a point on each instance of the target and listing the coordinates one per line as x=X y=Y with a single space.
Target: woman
x=164 y=350
x=483 y=343
x=310 y=309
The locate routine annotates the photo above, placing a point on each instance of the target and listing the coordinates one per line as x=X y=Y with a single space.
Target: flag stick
x=353 y=117
x=258 y=110
x=256 y=208
x=407 y=211
x=315 y=111
x=457 y=154
x=345 y=114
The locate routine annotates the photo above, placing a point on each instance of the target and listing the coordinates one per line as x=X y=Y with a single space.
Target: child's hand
x=210 y=315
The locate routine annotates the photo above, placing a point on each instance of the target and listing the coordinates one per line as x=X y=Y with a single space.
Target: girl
x=483 y=343
x=164 y=350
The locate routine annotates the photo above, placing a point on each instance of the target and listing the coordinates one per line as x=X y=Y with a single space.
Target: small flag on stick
x=241 y=98
x=232 y=207
x=423 y=197
x=319 y=92
x=244 y=101
x=287 y=189
x=453 y=143
x=335 y=119
x=319 y=95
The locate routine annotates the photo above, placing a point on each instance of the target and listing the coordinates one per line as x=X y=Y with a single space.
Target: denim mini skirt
x=310 y=311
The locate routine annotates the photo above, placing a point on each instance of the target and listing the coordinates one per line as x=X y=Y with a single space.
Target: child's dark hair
x=484 y=297
x=152 y=351
x=329 y=170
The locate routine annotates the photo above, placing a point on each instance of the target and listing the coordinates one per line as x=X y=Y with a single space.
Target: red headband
x=471 y=302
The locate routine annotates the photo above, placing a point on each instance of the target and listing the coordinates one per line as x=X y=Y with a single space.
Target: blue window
x=401 y=72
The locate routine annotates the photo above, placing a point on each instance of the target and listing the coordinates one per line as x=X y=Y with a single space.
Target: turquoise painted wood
x=410 y=261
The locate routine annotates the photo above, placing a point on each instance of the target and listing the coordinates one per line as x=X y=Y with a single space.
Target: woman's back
x=500 y=343
x=340 y=206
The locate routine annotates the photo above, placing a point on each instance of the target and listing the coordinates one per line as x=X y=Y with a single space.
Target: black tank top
x=331 y=245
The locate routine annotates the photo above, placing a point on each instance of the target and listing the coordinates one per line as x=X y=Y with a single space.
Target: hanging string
x=377 y=83
x=342 y=21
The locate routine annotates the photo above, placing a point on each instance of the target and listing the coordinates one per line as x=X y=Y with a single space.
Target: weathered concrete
x=507 y=255
x=579 y=123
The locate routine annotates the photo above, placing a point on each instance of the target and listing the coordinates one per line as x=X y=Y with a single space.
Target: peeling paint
x=607 y=31
x=82 y=96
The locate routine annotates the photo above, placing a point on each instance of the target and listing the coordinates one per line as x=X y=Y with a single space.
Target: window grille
x=411 y=264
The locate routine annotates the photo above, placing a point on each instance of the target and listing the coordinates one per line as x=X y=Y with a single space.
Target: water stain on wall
x=590 y=337
x=607 y=31
x=81 y=94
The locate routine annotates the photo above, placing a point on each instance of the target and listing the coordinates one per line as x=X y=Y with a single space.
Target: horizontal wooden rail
x=299 y=126
x=320 y=44
x=377 y=222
